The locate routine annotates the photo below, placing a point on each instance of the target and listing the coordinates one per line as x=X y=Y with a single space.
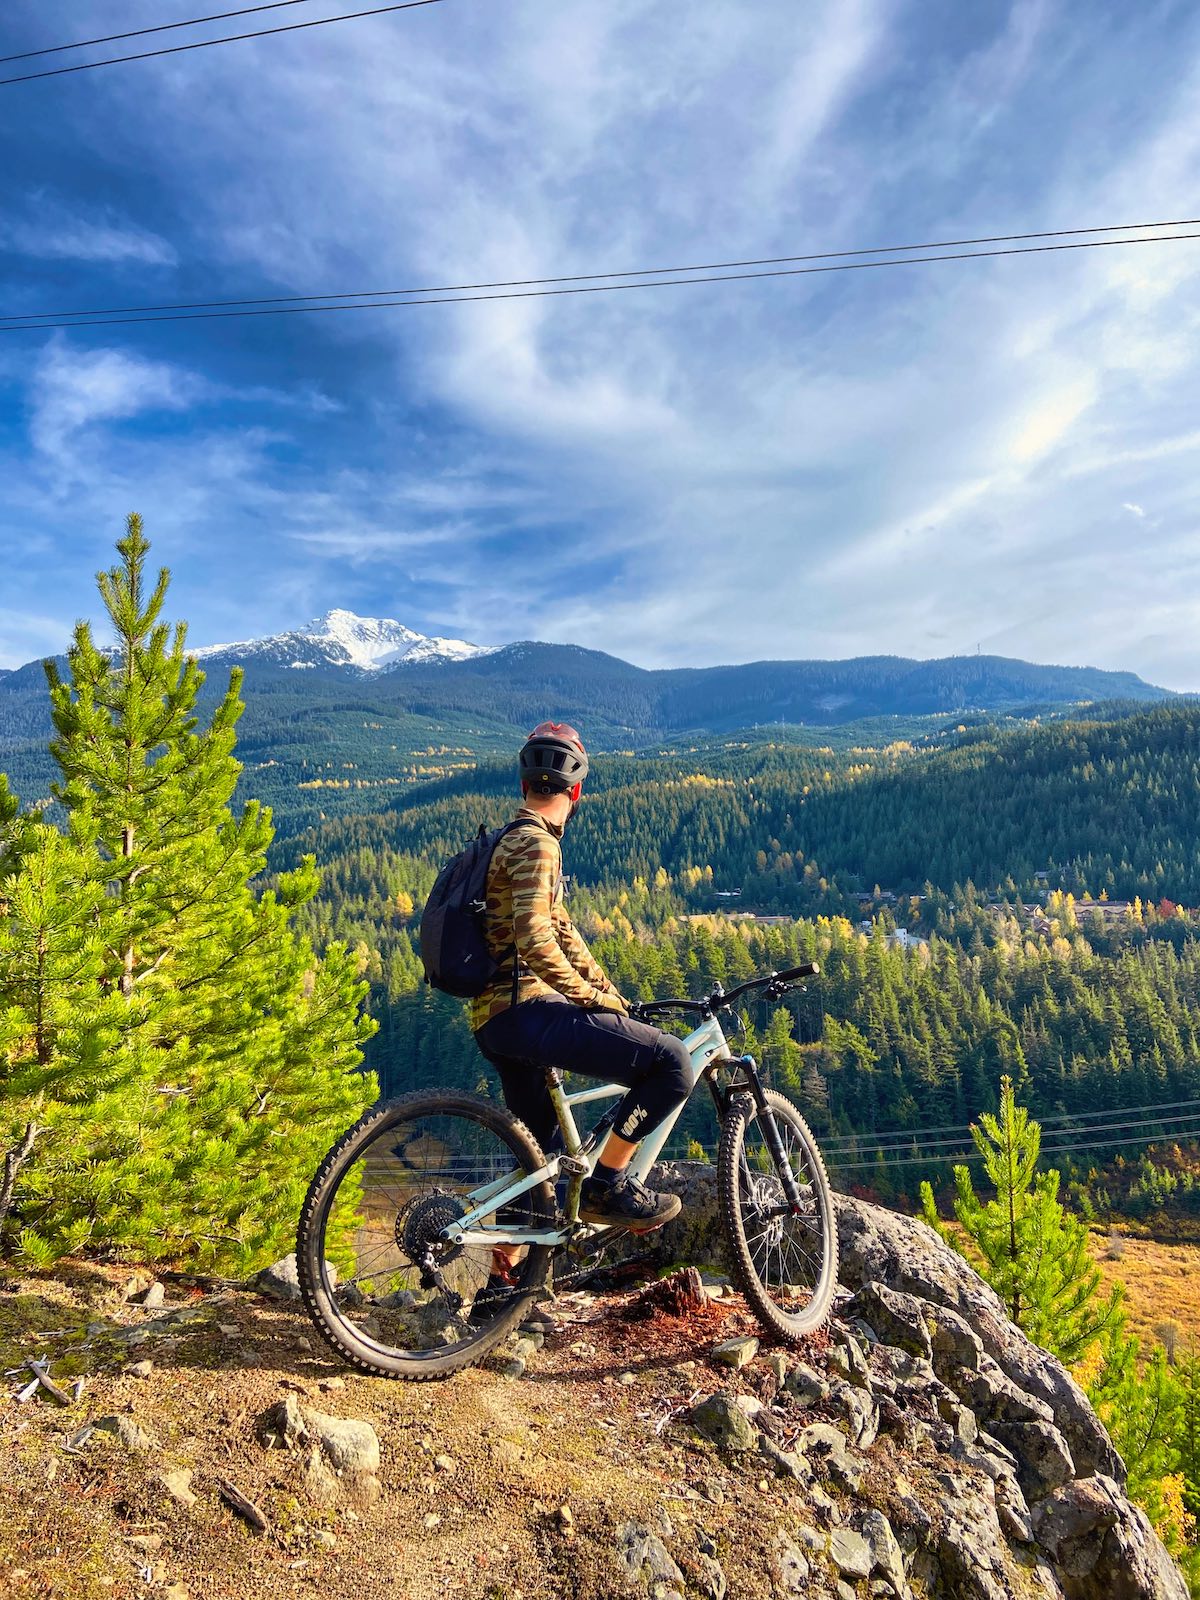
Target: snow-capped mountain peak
x=343 y=639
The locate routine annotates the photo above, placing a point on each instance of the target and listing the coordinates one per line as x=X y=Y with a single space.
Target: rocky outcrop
x=997 y=1479
x=883 y=1248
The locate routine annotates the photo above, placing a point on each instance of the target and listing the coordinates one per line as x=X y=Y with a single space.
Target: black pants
x=527 y=1038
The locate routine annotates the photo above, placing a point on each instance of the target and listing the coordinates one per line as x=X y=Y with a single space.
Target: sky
x=998 y=455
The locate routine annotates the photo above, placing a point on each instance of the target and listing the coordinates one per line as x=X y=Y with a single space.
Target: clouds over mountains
x=920 y=459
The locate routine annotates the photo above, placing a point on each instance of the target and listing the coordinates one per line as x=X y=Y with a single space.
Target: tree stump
x=680 y=1295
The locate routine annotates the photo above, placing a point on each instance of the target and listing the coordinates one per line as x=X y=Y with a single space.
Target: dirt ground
x=489 y=1487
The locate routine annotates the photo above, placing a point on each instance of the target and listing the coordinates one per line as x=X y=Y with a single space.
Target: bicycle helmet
x=553 y=761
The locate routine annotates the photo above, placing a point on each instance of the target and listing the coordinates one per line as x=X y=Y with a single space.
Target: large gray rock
x=881 y=1246
x=1019 y=1452
x=826 y=1447
x=1102 y=1547
x=350 y=1446
x=887 y=1558
x=646 y=1560
x=861 y=1411
x=850 y=1553
x=695 y=1237
x=1043 y=1459
x=897 y=1319
x=340 y=1453
x=972 y=1554
x=724 y=1422
x=279 y=1281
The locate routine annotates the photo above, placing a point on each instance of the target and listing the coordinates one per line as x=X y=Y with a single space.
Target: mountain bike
x=399 y=1224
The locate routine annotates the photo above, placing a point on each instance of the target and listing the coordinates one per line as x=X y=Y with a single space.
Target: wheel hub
x=766 y=1195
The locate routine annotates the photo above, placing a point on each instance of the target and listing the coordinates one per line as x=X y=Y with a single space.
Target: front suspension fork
x=770 y=1128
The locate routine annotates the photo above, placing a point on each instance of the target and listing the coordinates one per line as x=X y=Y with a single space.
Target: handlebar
x=774 y=983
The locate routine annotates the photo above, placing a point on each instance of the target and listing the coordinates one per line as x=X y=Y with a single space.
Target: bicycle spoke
x=786 y=1252
x=404 y=1287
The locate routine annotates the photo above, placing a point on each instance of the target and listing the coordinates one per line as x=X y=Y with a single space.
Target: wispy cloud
x=50 y=229
x=71 y=390
x=899 y=460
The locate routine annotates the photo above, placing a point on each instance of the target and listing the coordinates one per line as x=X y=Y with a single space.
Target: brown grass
x=1162 y=1284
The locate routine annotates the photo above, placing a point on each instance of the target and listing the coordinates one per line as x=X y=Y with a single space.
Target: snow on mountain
x=342 y=639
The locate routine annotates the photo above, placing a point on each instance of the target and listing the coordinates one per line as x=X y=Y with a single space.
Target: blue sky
x=999 y=454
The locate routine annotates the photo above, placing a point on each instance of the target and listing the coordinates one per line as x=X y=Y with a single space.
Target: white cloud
x=873 y=461
x=1134 y=510
x=1051 y=418
x=52 y=230
x=72 y=389
x=25 y=635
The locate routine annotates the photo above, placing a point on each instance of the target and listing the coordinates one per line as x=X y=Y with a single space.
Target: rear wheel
x=785 y=1263
x=402 y=1300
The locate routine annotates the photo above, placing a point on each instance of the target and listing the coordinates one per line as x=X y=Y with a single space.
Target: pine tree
x=12 y=824
x=1031 y=1250
x=62 y=1039
x=249 y=1046
x=1149 y=1410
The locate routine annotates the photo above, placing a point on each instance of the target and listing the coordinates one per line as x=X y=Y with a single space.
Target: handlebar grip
x=809 y=970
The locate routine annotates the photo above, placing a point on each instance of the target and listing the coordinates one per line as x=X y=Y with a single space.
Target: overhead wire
x=1138 y=228
x=973 y=1155
x=905 y=1135
x=590 y=288
x=160 y=27
x=205 y=44
x=936 y=1147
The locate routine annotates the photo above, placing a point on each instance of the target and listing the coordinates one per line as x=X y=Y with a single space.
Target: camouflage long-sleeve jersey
x=525 y=908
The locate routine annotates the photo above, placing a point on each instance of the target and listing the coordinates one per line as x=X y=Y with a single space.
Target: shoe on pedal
x=627 y=1203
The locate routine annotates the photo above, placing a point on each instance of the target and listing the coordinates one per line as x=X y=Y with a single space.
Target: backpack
x=453 y=946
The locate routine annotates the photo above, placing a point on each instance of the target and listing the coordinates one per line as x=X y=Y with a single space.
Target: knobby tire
x=316 y=1292
x=792 y=1327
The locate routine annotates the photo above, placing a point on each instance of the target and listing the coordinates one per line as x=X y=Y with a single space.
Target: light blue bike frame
x=706 y=1045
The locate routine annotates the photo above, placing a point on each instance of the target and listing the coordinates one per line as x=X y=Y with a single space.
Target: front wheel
x=785 y=1262
x=379 y=1277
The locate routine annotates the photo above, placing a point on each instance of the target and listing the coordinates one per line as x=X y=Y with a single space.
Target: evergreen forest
x=1007 y=1019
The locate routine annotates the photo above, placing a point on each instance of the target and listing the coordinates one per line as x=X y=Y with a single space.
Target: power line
x=904 y=1135
x=204 y=44
x=935 y=1147
x=162 y=27
x=594 y=288
x=601 y=277
x=973 y=1155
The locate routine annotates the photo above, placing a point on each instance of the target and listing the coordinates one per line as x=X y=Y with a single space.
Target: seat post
x=566 y=1121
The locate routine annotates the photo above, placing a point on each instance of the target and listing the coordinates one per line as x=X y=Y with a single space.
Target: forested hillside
x=1097 y=807
x=333 y=741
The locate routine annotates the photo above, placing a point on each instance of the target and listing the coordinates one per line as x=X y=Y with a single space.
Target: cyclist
x=553 y=1006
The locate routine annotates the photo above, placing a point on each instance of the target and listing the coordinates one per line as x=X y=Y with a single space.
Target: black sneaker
x=627 y=1203
x=493 y=1298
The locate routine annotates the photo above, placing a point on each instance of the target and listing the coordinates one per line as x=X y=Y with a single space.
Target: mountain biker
x=553 y=1006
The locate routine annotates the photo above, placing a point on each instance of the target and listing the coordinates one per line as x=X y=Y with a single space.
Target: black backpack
x=453 y=947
